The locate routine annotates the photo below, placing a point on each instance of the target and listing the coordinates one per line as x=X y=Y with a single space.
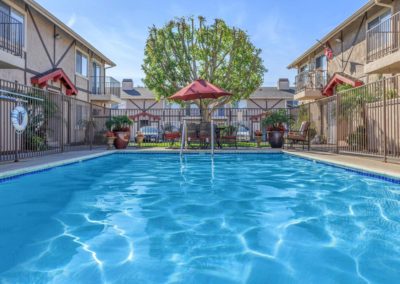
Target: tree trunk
x=205 y=114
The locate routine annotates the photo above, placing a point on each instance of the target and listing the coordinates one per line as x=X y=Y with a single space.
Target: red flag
x=328 y=51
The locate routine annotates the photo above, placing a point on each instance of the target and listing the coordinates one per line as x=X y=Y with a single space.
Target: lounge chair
x=300 y=136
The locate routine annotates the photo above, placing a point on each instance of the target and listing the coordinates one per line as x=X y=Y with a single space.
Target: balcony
x=105 y=89
x=383 y=52
x=11 y=42
x=309 y=85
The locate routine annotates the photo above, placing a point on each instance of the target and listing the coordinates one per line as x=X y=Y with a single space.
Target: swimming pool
x=234 y=218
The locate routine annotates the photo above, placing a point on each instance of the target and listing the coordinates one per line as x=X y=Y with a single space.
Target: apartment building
x=362 y=49
x=37 y=49
x=263 y=98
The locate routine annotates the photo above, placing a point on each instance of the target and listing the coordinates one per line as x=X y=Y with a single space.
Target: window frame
x=12 y=7
x=83 y=54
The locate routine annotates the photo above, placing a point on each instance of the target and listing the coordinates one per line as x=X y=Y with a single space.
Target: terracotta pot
x=139 y=139
x=110 y=142
x=122 y=139
x=275 y=139
x=258 y=140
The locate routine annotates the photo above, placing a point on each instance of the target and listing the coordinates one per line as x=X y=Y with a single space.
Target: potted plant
x=110 y=139
x=120 y=126
x=275 y=125
x=258 y=136
x=139 y=138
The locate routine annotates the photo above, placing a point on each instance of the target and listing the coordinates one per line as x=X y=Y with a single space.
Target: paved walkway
x=46 y=159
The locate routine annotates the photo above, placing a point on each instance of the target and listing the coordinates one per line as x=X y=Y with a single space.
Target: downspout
x=379 y=3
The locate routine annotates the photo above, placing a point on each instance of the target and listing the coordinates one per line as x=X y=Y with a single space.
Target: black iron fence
x=55 y=123
x=362 y=120
x=163 y=127
x=384 y=38
x=11 y=34
x=104 y=85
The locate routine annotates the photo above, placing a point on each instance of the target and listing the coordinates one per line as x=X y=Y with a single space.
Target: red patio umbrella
x=199 y=89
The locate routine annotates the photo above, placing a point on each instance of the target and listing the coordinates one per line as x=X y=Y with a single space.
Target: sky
x=282 y=29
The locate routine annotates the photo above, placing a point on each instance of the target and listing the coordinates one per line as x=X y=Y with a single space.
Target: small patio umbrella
x=198 y=90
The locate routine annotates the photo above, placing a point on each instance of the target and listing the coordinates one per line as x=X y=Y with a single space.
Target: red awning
x=338 y=79
x=55 y=75
x=145 y=114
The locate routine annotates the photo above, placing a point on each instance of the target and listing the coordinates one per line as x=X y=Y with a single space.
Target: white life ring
x=19 y=118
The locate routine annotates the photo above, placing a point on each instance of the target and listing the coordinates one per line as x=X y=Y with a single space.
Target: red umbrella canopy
x=199 y=89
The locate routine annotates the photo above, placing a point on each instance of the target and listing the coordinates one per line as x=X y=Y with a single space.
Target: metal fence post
x=212 y=137
x=16 y=134
x=62 y=124
x=337 y=123
x=91 y=126
x=384 y=123
x=309 y=123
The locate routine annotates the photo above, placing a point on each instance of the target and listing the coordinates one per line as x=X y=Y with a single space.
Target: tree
x=186 y=49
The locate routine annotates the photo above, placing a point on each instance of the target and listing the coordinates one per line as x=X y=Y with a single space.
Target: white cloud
x=71 y=21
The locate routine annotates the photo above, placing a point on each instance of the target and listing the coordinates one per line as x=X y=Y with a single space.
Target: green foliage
x=186 y=49
x=40 y=112
x=276 y=119
x=353 y=100
x=119 y=123
x=302 y=116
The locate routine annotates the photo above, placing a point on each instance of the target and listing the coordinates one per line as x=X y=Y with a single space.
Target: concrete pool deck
x=9 y=169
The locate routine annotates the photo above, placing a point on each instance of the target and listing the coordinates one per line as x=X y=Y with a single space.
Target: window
x=81 y=64
x=304 y=68
x=290 y=104
x=8 y=18
x=320 y=62
x=378 y=20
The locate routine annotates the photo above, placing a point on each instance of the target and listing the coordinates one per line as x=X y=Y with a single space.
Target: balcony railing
x=383 y=39
x=105 y=85
x=312 y=80
x=11 y=34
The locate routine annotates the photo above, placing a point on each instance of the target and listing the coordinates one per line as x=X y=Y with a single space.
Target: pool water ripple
x=230 y=219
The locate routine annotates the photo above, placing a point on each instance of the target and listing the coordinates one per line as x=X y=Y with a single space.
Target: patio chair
x=300 y=136
x=205 y=134
x=193 y=134
x=229 y=135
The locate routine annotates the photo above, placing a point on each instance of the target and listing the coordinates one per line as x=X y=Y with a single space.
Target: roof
x=336 y=30
x=139 y=93
x=55 y=74
x=272 y=93
x=340 y=78
x=40 y=9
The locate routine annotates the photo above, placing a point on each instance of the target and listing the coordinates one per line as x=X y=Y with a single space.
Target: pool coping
x=353 y=167
x=377 y=173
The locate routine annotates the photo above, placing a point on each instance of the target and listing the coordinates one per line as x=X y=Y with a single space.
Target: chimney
x=127 y=84
x=283 y=84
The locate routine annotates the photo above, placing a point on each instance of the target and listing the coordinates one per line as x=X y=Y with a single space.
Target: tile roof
x=272 y=93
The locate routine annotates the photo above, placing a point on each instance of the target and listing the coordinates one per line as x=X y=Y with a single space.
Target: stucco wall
x=60 y=53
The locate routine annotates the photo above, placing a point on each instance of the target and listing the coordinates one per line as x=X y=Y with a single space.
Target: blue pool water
x=147 y=218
